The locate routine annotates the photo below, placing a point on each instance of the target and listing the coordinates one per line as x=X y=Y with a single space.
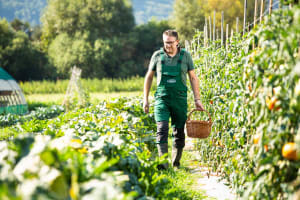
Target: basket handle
x=198 y=110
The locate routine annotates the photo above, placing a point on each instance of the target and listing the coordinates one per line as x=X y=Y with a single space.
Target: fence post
x=248 y=25
x=261 y=10
x=245 y=15
x=222 y=21
x=204 y=33
x=270 y=6
x=227 y=27
x=255 y=13
x=194 y=47
x=214 y=28
x=209 y=21
x=237 y=25
x=187 y=45
x=198 y=41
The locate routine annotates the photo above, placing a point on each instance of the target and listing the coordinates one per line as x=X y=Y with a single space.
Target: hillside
x=25 y=10
x=29 y=10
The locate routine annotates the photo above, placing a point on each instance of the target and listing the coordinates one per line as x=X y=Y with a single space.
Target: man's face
x=170 y=44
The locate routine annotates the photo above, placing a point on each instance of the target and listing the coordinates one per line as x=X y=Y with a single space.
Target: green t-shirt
x=186 y=64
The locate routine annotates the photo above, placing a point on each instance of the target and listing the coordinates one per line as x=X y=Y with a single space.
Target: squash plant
x=105 y=151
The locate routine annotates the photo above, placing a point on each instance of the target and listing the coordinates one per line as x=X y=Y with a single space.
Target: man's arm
x=147 y=87
x=195 y=87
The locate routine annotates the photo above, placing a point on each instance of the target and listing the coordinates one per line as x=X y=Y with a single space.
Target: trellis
x=210 y=32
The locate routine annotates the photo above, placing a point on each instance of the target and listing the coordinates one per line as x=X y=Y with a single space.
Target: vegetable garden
x=105 y=151
x=255 y=100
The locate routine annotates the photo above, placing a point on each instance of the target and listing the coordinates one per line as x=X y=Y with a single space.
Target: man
x=171 y=64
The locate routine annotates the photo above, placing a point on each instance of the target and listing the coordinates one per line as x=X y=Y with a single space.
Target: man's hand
x=199 y=105
x=147 y=86
x=146 y=106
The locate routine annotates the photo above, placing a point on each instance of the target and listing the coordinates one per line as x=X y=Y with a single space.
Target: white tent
x=12 y=99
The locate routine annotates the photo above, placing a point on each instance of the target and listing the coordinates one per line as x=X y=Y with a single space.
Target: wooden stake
x=222 y=21
x=255 y=13
x=198 y=41
x=237 y=25
x=204 y=34
x=227 y=27
x=187 y=45
x=261 y=10
x=245 y=15
x=270 y=6
x=248 y=25
x=209 y=21
x=214 y=30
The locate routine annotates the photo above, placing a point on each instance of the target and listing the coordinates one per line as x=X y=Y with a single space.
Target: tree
x=19 y=57
x=18 y=25
x=189 y=15
x=149 y=39
x=86 y=33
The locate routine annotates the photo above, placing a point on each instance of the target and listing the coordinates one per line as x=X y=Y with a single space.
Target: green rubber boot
x=162 y=150
x=176 y=156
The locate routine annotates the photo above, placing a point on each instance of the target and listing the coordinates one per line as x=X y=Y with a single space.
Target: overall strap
x=162 y=55
x=180 y=59
x=182 y=51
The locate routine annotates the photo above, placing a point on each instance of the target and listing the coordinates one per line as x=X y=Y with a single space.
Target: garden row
x=106 y=151
x=252 y=90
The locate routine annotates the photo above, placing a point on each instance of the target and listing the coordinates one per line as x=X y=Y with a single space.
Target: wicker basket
x=198 y=128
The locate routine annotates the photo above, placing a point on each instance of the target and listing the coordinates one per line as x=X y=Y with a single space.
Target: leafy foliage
x=87 y=34
x=100 y=151
x=189 y=16
x=39 y=113
x=237 y=87
x=102 y=44
x=16 y=44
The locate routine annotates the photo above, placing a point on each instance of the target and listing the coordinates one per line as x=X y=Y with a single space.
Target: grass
x=105 y=85
x=48 y=99
x=184 y=177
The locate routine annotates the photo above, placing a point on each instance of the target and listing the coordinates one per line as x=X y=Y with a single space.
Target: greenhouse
x=12 y=99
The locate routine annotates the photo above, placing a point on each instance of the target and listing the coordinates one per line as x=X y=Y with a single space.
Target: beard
x=169 y=50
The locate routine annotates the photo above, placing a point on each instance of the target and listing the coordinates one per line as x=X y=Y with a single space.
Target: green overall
x=171 y=94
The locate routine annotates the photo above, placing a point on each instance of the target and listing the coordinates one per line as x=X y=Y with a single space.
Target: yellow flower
x=83 y=150
x=76 y=141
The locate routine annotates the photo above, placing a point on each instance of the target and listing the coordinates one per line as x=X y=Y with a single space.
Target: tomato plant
x=255 y=110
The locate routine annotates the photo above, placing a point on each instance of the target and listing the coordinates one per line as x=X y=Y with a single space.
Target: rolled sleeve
x=153 y=61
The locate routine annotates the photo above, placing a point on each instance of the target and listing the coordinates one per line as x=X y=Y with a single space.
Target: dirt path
x=211 y=183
